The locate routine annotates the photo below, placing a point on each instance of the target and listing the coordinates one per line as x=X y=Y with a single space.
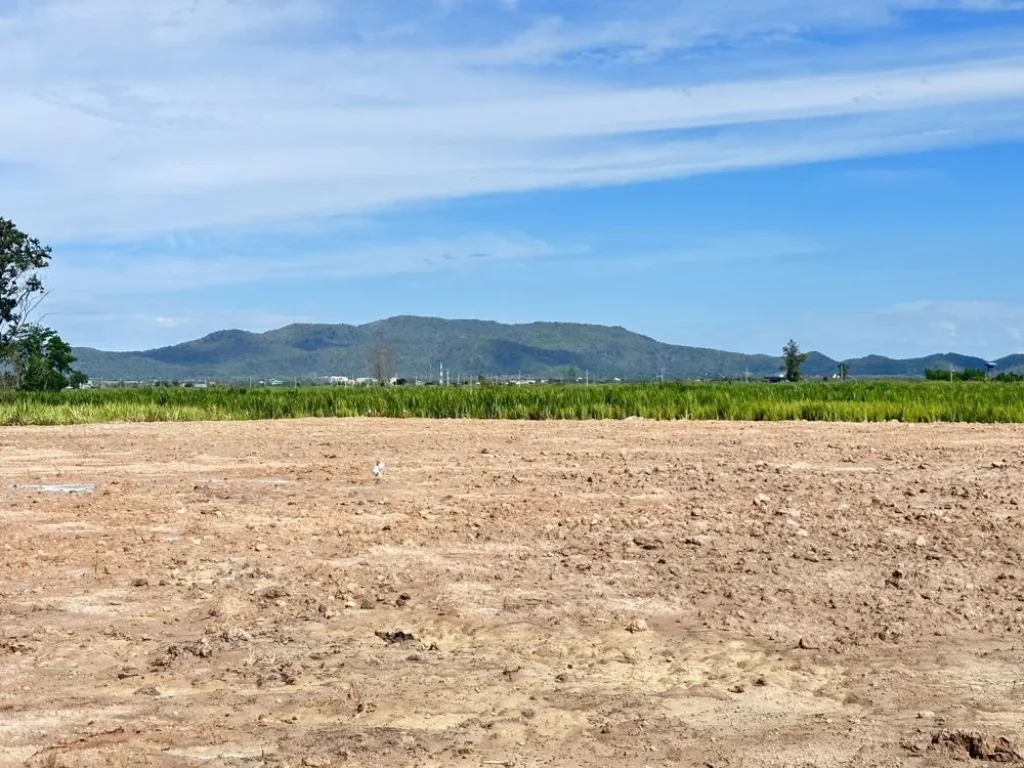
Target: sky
x=720 y=173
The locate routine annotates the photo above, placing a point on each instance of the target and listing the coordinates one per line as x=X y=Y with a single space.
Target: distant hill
x=467 y=347
x=876 y=365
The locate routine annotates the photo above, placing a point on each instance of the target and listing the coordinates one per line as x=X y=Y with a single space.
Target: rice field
x=809 y=401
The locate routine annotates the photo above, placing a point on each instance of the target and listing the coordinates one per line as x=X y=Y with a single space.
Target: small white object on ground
x=378 y=469
x=54 y=488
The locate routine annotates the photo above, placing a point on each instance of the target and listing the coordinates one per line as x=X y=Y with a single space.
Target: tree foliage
x=792 y=360
x=21 y=288
x=32 y=357
x=970 y=374
x=41 y=361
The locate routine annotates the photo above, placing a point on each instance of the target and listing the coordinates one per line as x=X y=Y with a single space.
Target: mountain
x=466 y=347
x=876 y=365
x=1011 y=363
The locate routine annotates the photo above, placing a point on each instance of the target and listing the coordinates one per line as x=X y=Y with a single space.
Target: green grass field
x=813 y=401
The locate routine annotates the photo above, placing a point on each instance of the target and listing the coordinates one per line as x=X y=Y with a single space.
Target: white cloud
x=168 y=322
x=128 y=119
x=712 y=250
x=971 y=327
x=895 y=176
x=986 y=329
x=121 y=331
x=961 y=311
x=199 y=264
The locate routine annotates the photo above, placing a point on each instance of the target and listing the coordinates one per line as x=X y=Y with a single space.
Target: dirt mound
x=977 y=746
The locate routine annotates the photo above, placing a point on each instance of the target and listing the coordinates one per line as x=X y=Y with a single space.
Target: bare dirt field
x=517 y=594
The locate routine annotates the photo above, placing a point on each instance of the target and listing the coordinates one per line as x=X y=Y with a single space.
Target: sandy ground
x=518 y=594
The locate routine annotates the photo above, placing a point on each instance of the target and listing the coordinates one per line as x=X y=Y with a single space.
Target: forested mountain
x=468 y=348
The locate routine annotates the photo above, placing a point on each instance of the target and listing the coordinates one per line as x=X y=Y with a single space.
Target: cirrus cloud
x=129 y=120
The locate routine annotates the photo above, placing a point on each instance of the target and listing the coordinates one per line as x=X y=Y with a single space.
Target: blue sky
x=726 y=173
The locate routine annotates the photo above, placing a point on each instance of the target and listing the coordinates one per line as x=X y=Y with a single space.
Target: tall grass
x=813 y=401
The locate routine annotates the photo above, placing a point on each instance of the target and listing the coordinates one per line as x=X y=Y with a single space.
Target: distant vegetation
x=32 y=356
x=972 y=374
x=469 y=348
x=793 y=361
x=816 y=401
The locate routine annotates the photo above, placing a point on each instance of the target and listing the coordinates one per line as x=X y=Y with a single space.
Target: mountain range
x=470 y=348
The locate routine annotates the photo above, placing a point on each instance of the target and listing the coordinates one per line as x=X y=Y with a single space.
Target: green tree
x=843 y=371
x=968 y=374
x=21 y=289
x=792 y=360
x=42 y=361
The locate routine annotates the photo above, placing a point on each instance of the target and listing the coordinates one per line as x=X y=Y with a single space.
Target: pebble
x=636 y=626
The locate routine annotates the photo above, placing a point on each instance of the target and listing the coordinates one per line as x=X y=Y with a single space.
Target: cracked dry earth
x=518 y=594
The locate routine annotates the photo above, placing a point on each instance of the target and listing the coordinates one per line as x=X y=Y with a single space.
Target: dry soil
x=518 y=594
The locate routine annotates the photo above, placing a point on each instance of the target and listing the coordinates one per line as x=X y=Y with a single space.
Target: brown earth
x=518 y=594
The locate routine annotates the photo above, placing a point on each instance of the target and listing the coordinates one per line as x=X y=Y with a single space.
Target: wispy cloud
x=135 y=330
x=890 y=177
x=712 y=250
x=962 y=311
x=974 y=327
x=200 y=264
x=132 y=120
